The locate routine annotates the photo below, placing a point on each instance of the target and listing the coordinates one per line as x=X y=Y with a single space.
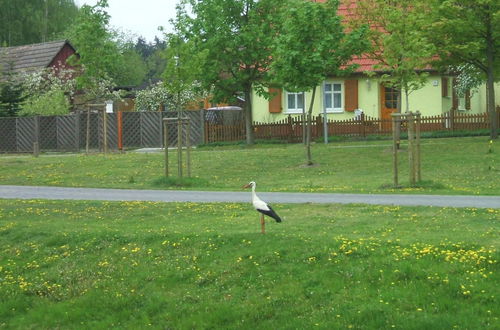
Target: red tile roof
x=347 y=10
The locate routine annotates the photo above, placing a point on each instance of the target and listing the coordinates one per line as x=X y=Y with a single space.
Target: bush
x=53 y=102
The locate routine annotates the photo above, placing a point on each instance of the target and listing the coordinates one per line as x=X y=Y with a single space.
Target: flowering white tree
x=468 y=80
x=152 y=98
x=47 y=92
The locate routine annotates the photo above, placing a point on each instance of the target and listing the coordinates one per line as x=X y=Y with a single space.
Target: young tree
x=398 y=42
x=11 y=97
x=100 y=59
x=182 y=70
x=310 y=46
x=236 y=38
x=468 y=32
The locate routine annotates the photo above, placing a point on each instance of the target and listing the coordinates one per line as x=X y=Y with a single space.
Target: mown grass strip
x=449 y=166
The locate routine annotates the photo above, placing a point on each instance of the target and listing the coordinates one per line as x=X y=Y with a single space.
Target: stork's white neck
x=254 y=195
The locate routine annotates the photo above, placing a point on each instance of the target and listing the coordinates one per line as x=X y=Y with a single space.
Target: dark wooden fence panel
x=145 y=129
x=8 y=139
x=25 y=134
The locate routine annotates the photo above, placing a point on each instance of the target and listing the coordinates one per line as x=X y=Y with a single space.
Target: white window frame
x=296 y=109
x=331 y=94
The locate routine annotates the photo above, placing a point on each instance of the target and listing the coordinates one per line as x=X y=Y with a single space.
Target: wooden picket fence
x=290 y=128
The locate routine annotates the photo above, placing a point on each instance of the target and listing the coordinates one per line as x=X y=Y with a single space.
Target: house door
x=389 y=105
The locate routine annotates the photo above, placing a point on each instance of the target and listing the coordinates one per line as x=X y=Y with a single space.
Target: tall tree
x=99 y=56
x=104 y=55
x=152 y=54
x=312 y=45
x=237 y=36
x=27 y=21
x=468 y=32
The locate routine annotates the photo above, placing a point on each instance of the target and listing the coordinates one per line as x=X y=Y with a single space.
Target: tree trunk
x=248 y=116
x=304 y=125
x=407 y=99
x=398 y=127
x=490 y=85
x=309 y=127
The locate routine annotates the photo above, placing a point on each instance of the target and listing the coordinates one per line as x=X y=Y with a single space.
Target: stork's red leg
x=262 y=224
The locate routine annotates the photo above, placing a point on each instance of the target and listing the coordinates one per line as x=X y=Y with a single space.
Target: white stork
x=262 y=207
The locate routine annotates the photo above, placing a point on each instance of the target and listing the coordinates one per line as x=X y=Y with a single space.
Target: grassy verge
x=135 y=264
x=449 y=166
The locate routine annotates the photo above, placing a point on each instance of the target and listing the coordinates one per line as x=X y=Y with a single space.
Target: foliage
x=468 y=80
x=42 y=81
x=311 y=45
x=398 y=41
x=235 y=37
x=136 y=265
x=152 y=55
x=11 y=97
x=98 y=54
x=464 y=31
x=134 y=70
x=47 y=92
x=468 y=32
x=152 y=98
x=52 y=102
x=182 y=70
x=26 y=21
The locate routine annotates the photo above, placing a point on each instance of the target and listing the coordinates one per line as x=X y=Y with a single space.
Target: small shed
x=35 y=57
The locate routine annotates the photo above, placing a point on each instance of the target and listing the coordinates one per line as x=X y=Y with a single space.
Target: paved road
x=28 y=192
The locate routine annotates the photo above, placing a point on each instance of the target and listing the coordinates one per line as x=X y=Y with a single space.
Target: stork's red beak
x=246 y=186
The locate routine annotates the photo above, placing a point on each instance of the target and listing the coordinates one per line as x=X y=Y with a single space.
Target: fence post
x=363 y=125
x=203 y=128
x=452 y=120
x=119 y=119
x=77 y=132
x=105 y=130
x=179 y=146
x=165 y=144
x=290 y=128
x=396 y=120
x=36 y=136
x=417 y=142
x=319 y=124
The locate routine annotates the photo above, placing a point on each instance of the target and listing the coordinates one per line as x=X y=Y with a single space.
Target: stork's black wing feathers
x=270 y=213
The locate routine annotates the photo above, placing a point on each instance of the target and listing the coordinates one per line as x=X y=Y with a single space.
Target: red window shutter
x=275 y=101
x=351 y=94
x=444 y=87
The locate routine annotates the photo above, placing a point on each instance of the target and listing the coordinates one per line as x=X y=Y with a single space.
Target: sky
x=139 y=17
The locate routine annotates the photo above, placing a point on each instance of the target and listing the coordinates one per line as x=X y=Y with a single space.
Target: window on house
x=333 y=97
x=295 y=102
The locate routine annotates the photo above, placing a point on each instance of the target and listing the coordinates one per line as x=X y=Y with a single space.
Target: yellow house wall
x=428 y=100
x=369 y=97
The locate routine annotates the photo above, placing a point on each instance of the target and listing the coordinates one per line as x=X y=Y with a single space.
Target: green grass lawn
x=77 y=264
x=449 y=166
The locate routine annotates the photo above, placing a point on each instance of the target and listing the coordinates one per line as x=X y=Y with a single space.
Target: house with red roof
x=342 y=98
x=27 y=59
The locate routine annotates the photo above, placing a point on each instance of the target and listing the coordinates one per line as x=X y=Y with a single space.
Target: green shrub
x=53 y=102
